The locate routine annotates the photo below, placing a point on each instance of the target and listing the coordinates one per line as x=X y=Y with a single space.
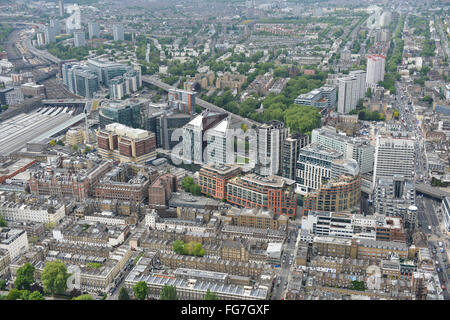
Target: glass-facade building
x=126 y=113
x=79 y=80
x=107 y=70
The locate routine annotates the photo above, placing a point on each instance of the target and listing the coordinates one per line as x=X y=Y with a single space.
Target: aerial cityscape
x=224 y=150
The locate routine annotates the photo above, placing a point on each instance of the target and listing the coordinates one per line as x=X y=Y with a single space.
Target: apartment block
x=51 y=211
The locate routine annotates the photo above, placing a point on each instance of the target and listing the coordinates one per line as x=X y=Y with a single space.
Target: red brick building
x=67 y=183
x=160 y=191
x=213 y=179
x=70 y=185
x=335 y=196
x=121 y=143
x=126 y=182
x=391 y=230
x=253 y=191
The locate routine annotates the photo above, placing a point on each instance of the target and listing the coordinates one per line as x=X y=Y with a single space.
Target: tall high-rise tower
x=375 y=69
x=61 y=8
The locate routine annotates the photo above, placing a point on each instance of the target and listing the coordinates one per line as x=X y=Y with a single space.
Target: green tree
x=141 y=290
x=3 y=222
x=86 y=150
x=396 y=114
x=83 y=297
x=14 y=294
x=186 y=183
x=54 y=276
x=123 y=294
x=50 y=225
x=25 y=277
x=94 y=265
x=2 y=284
x=195 y=190
x=428 y=99
x=302 y=118
x=168 y=293
x=357 y=285
x=360 y=103
x=52 y=143
x=210 y=295
x=75 y=147
x=36 y=295
x=198 y=250
x=178 y=246
x=25 y=294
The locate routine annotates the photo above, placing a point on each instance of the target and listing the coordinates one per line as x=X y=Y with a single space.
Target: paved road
x=284 y=272
x=444 y=41
x=429 y=215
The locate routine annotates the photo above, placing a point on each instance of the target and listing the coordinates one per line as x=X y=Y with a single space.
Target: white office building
x=340 y=225
x=40 y=39
x=50 y=34
x=57 y=25
x=193 y=140
x=394 y=155
x=194 y=135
